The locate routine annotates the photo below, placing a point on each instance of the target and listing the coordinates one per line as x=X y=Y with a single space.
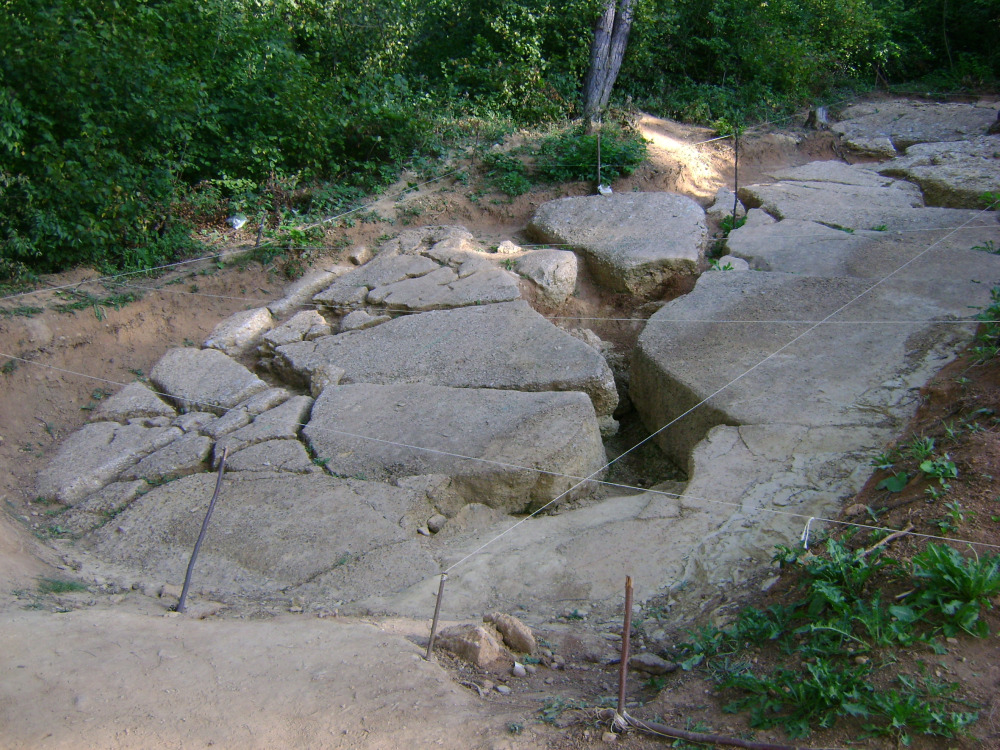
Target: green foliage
x=59 y=586
x=833 y=634
x=987 y=343
x=572 y=154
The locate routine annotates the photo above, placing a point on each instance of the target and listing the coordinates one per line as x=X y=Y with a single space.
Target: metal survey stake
x=204 y=527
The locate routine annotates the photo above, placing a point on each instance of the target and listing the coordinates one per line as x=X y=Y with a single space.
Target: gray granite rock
x=955 y=175
x=358 y=320
x=240 y=331
x=271 y=534
x=185 y=455
x=553 y=272
x=301 y=291
x=507 y=346
x=294 y=329
x=133 y=401
x=884 y=128
x=510 y=450
x=636 y=243
x=272 y=455
x=280 y=423
x=204 y=380
x=95 y=455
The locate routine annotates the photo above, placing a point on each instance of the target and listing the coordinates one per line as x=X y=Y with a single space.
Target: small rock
x=515 y=633
x=436 y=522
x=503 y=689
x=474 y=643
x=508 y=248
x=861 y=660
x=651 y=664
x=550 y=680
x=424 y=531
x=609 y=737
x=359 y=255
x=518 y=670
x=530 y=668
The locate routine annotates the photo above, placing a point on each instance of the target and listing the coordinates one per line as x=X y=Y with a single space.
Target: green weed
x=59 y=586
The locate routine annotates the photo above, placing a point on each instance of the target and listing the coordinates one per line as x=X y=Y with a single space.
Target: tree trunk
x=606 y=53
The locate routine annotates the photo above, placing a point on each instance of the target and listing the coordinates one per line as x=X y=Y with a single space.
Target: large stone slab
x=506 y=346
x=852 y=198
x=806 y=247
x=95 y=455
x=955 y=175
x=859 y=369
x=513 y=451
x=633 y=242
x=886 y=127
x=204 y=380
x=300 y=292
x=430 y=268
x=240 y=331
x=267 y=533
x=185 y=455
x=134 y=401
x=280 y=423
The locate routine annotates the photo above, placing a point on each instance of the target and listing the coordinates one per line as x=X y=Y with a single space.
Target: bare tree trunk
x=606 y=53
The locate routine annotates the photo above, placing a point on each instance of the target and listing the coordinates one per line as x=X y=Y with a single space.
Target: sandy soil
x=103 y=667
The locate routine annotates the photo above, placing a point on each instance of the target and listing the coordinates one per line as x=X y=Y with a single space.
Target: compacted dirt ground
x=86 y=664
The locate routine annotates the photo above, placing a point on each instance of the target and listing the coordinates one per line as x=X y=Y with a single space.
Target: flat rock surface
x=280 y=423
x=183 y=456
x=204 y=379
x=633 y=242
x=430 y=268
x=812 y=381
x=955 y=174
x=133 y=401
x=507 y=346
x=267 y=534
x=886 y=127
x=531 y=447
x=552 y=271
x=94 y=456
x=810 y=248
x=239 y=331
x=272 y=455
x=852 y=198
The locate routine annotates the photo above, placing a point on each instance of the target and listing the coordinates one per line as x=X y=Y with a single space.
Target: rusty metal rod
x=437 y=613
x=626 y=638
x=201 y=536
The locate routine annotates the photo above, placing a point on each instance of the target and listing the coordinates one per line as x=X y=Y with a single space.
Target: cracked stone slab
x=204 y=380
x=806 y=247
x=134 y=401
x=294 y=329
x=886 y=127
x=955 y=175
x=267 y=533
x=827 y=193
x=240 y=331
x=430 y=268
x=280 y=423
x=300 y=292
x=682 y=358
x=101 y=507
x=506 y=346
x=635 y=243
x=273 y=455
x=185 y=455
x=533 y=446
x=95 y=455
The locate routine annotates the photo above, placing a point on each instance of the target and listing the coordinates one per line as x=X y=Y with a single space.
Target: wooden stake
x=626 y=636
x=437 y=613
x=201 y=536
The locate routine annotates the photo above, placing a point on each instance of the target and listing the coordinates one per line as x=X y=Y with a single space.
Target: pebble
x=503 y=689
x=530 y=668
x=550 y=680
x=609 y=737
x=519 y=670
